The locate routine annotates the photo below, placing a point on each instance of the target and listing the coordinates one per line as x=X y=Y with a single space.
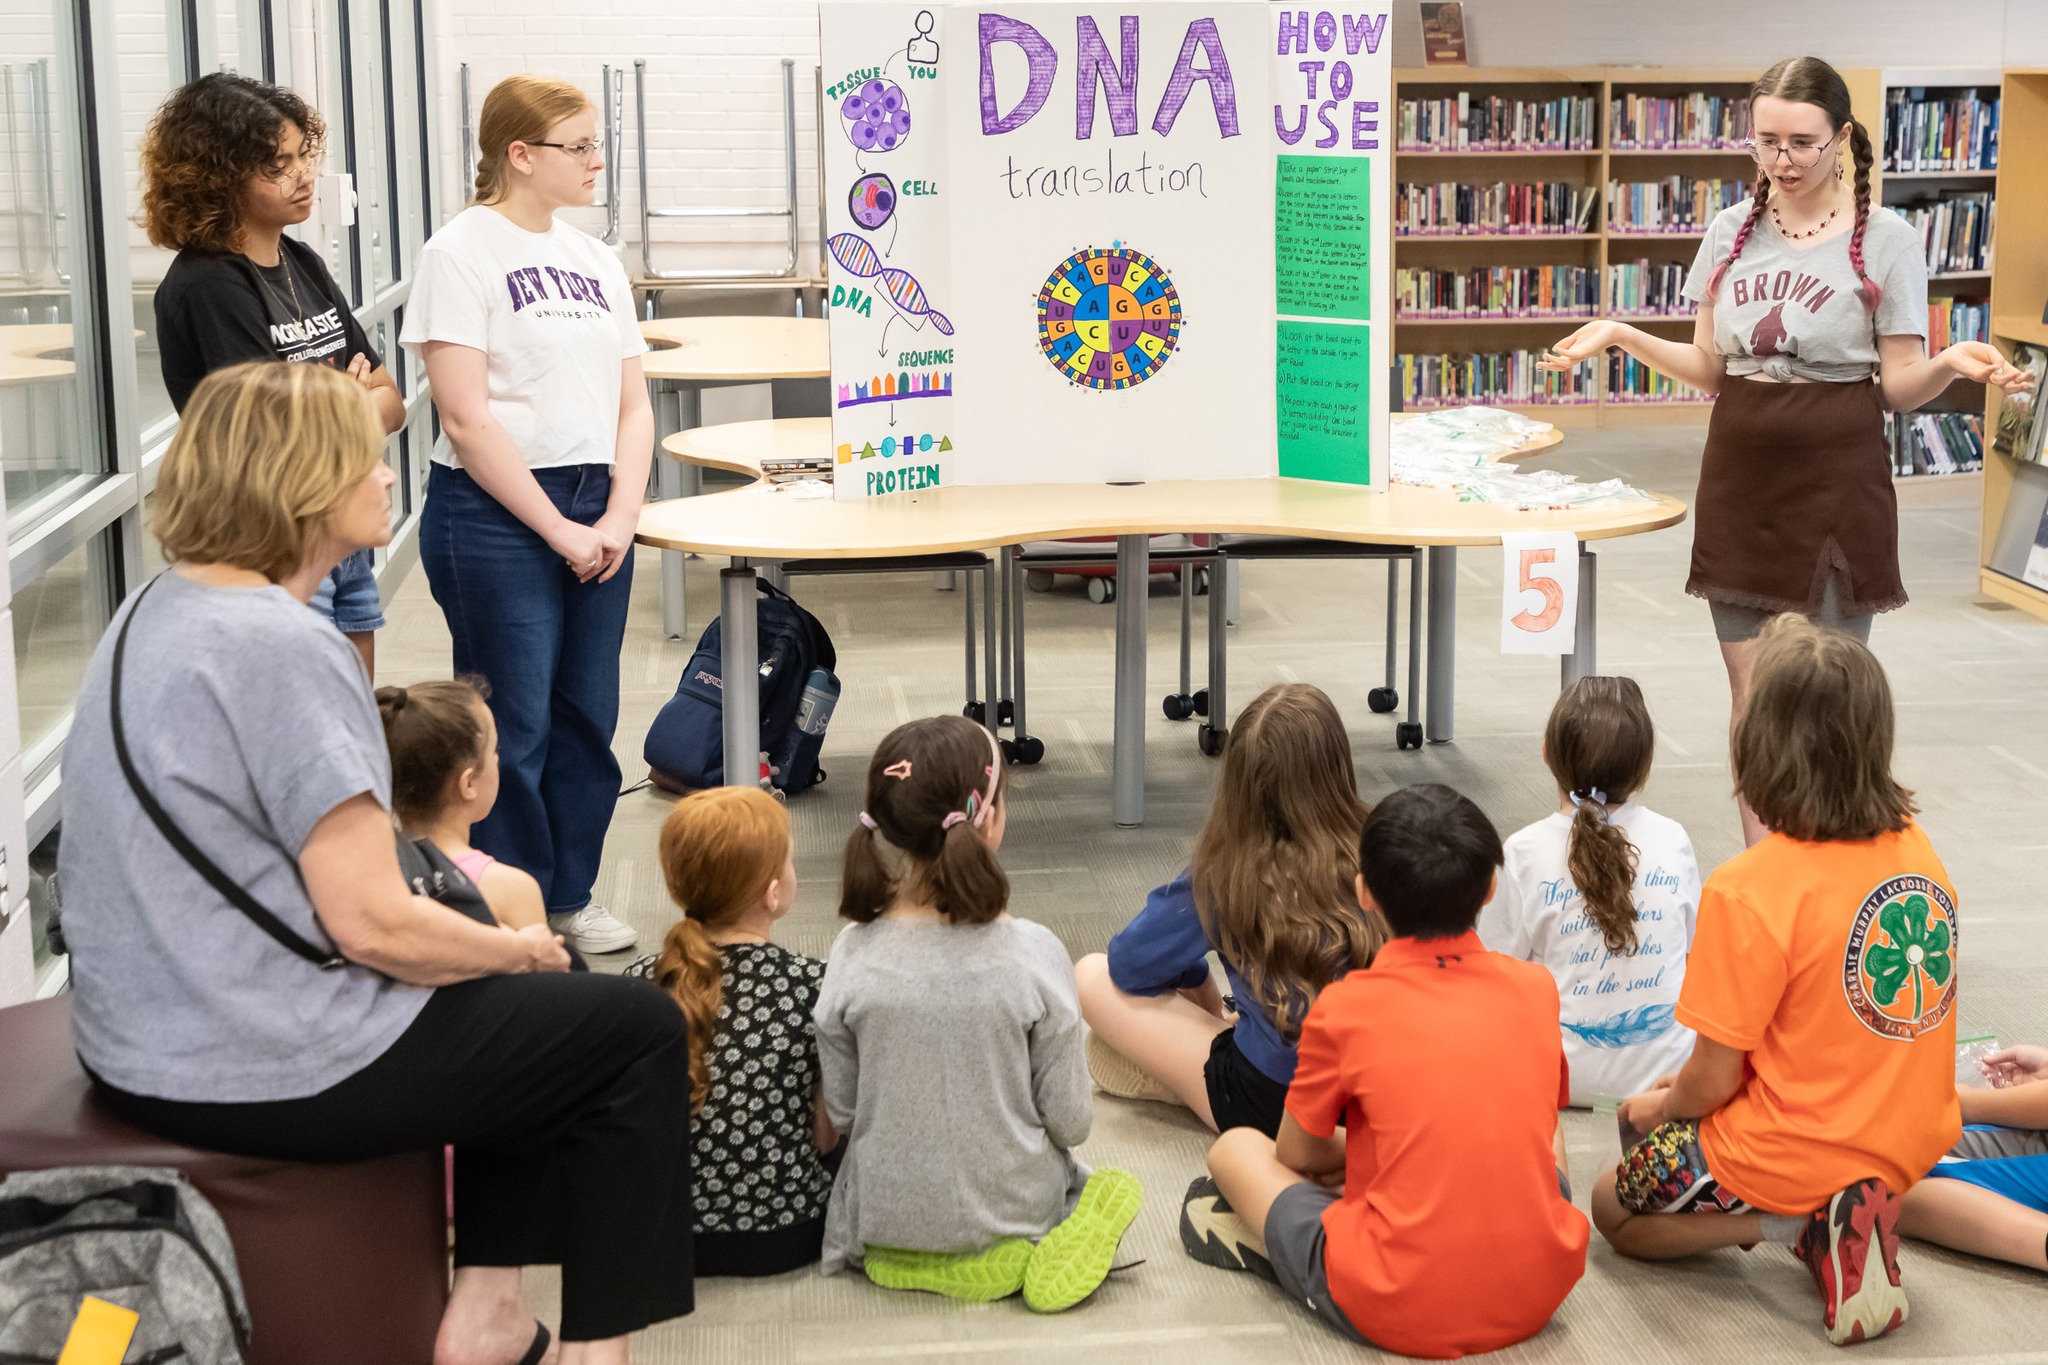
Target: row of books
x=1631 y=381
x=1500 y=291
x=1677 y=203
x=1498 y=377
x=1454 y=208
x=1697 y=120
x=1496 y=123
x=1953 y=320
x=1934 y=442
x=1955 y=132
x=1640 y=287
x=1956 y=231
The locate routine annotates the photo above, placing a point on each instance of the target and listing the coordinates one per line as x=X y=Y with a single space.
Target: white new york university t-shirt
x=1619 y=1029
x=552 y=311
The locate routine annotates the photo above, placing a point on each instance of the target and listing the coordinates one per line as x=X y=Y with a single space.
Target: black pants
x=567 y=1100
x=1241 y=1095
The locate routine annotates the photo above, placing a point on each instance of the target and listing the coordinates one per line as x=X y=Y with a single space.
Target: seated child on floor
x=1603 y=893
x=1822 y=985
x=757 y=1130
x=1269 y=891
x=1992 y=1197
x=444 y=778
x=951 y=1043
x=1439 y=1222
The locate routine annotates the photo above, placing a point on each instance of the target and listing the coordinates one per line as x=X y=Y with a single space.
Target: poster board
x=1051 y=241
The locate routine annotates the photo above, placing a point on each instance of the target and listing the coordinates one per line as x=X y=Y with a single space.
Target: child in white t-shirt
x=1603 y=893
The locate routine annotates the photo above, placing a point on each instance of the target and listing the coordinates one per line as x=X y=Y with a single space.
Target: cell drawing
x=1108 y=318
x=872 y=201
x=876 y=117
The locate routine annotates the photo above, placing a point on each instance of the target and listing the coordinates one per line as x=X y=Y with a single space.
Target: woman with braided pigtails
x=1812 y=321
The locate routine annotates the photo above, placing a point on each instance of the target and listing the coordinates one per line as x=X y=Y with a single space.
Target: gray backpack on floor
x=137 y=1236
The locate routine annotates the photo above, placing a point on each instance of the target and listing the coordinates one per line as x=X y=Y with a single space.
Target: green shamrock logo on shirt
x=1917 y=949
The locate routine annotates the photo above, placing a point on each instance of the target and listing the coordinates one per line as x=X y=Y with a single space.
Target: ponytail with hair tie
x=691 y=968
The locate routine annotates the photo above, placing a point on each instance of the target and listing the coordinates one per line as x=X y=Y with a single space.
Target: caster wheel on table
x=1038 y=582
x=1383 y=699
x=1177 y=705
x=1027 y=750
x=1210 y=740
x=975 y=711
x=1201 y=700
x=1408 y=735
x=1201 y=582
x=1006 y=712
x=1101 y=590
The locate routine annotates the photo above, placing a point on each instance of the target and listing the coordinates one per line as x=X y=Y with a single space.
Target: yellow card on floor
x=99 y=1334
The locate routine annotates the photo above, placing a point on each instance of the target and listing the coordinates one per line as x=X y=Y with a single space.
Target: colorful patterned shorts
x=1667 y=1173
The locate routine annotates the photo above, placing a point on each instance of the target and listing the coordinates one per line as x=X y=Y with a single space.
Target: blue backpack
x=686 y=744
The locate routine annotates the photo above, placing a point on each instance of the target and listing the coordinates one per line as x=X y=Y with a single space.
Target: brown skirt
x=1796 y=486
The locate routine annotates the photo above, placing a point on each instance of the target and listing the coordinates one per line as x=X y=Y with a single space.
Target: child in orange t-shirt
x=1822 y=984
x=1385 y=1232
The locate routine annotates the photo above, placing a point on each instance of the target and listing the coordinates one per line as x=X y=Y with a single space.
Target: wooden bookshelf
x=1596 y=250
x=2015 y=490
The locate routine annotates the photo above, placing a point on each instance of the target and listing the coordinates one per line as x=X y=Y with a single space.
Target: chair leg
x=1215 y=728
x=1393 y=614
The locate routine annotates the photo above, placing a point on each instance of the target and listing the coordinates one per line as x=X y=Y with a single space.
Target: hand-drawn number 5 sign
x=1540 y=605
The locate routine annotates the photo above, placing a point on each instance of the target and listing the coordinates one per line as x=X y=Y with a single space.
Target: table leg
x=1007 y=556
x=1127 y=763
x=1014 y=575
x=1443 y=640
x=1581 y=661
x=675 y=409
x=742 y=693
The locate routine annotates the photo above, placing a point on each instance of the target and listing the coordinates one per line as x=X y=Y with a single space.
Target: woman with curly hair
x=227 y=165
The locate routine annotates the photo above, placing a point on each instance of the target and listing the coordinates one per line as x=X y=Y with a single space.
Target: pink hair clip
x=868 y=821
x=900 y=770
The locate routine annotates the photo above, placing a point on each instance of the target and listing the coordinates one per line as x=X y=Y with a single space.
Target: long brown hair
x=922 y=776
x=1812 y=751
x=518 y=109
x=433 y=732
x=720 y=848
x=1599 y=744
x=1809 y=80
x=1275 y=864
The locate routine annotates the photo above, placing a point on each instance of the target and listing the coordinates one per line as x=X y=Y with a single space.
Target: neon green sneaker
x=1071 y=1262
x=970 y=1276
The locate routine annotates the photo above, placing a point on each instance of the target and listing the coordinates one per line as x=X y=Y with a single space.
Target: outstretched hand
x=1987 y=365
x=2016 y=1065
x=1591 y=340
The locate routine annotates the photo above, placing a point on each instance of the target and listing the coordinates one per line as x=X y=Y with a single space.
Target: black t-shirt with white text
x=216 y=309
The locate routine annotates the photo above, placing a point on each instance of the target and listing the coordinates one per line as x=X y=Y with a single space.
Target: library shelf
x=1502 y=152
x=2019 y=327
x=1959 y=275
x=1496 y=320
x=1680 y=151
x=1400 y=237
x=1941 y=175
x=2019 y=243
x=1624 y=235
x=1651 y=317
x=2012 y=591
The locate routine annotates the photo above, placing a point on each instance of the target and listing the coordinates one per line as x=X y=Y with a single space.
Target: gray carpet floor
x=1972 y=742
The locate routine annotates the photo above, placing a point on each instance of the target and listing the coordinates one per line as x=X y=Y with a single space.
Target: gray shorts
x=1733 y=624
x=1294 y=1244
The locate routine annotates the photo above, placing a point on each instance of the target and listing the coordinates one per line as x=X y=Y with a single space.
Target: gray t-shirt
x=248 y=718
x=953 y=1058
x=1788 y=312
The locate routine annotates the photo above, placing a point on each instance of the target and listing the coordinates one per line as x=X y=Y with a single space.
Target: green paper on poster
x=1322 y=236
x=1325 y=401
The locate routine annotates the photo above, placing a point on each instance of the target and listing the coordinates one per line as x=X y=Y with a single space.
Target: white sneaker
x=594 y=929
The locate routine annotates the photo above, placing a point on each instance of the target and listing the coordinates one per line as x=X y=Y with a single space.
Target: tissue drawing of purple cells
x=876 y=116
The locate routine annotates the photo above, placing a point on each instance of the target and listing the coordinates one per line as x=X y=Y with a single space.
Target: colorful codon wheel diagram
x=1108 y=318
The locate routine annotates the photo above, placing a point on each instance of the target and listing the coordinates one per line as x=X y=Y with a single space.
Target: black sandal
x=541 y=1341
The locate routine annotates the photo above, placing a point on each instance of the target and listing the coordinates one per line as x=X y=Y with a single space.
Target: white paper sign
x=1539 y=611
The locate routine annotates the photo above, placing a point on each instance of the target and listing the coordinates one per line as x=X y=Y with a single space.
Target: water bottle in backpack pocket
x=685 y=746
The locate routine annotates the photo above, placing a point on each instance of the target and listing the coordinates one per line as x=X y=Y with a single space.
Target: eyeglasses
x=585 y=152
x=1799 y=158
x=304 y=166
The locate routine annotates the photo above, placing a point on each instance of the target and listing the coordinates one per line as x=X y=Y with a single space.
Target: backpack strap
x=229 y=891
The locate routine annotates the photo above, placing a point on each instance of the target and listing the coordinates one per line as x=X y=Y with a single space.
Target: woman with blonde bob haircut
x=1270 y=891
x=252 y=974
x=530 y=340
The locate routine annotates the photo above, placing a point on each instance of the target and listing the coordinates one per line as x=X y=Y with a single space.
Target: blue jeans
x=549 y=647
x=348 y=596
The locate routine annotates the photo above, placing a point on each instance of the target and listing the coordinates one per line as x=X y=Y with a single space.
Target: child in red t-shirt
x=1384 y=1232
x=1822 y=984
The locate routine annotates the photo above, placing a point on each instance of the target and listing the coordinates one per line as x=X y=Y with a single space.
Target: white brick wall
x=715 y=121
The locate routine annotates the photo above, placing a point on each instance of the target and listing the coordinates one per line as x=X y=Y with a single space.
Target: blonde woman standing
x=527 y=329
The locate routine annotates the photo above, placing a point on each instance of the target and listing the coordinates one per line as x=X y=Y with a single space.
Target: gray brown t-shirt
x=248 y=718
x=1786 y=311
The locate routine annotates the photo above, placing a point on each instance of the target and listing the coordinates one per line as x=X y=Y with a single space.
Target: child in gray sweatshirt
x=952 y=1050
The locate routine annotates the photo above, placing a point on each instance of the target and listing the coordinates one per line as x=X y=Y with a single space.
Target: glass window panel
x=149 y=68
x=408 y=132
x=58 y=618
x=375 y=200
x=47 y=431
x=239 y=30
